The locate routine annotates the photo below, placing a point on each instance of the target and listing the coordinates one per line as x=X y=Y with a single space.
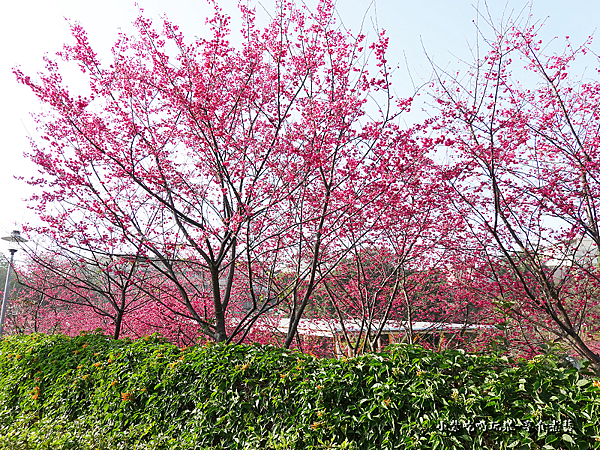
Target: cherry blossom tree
x=398 y=276
x=84 y=272
x=216 y=166
x=521 y=131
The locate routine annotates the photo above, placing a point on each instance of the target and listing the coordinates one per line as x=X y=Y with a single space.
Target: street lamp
x=15 y=237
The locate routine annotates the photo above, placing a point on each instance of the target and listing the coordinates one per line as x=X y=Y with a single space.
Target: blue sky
x=30 y=29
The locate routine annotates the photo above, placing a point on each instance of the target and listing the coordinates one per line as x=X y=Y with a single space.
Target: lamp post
x=14 y=237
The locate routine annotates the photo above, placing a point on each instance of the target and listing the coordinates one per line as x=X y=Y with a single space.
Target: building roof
x=321 y=327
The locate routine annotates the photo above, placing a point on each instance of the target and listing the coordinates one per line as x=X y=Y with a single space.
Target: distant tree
x=88 y=283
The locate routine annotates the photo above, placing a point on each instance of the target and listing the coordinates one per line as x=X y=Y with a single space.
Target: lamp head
x=14 y=237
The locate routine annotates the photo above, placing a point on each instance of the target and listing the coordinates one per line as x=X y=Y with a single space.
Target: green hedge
x=91 y=392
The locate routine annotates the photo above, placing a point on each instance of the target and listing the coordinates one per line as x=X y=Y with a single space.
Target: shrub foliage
x=92 y=392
